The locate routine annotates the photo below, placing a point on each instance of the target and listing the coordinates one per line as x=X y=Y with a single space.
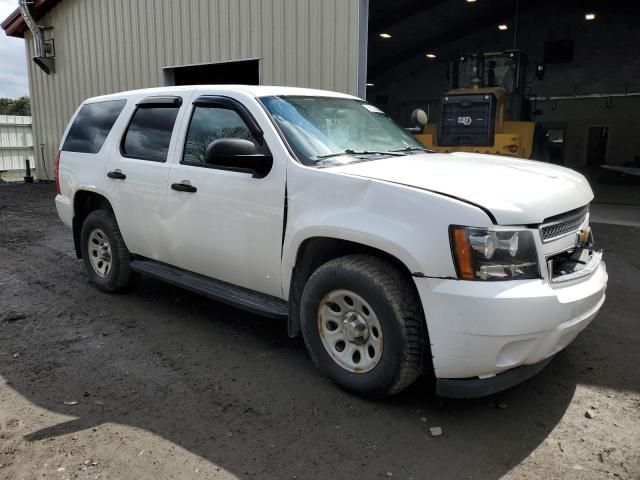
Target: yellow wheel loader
x=485 y=110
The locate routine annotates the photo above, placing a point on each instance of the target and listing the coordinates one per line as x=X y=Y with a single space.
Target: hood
x=515 y=191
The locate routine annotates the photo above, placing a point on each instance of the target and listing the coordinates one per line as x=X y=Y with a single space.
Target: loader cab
x=498 y=69
x=506 y=70
x=485 y=109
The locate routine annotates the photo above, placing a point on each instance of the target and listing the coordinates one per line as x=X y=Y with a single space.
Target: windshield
x=325 y=131
x=499 y=71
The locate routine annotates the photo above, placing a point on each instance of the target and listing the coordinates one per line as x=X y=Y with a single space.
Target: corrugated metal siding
x=113 y=45
x=16 y=142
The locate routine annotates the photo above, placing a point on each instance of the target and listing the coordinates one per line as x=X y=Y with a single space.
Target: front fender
x=339 y=231
x=406 y=222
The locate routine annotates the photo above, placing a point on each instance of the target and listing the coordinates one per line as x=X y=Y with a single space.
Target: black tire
x=118 y=275
x=393 y=297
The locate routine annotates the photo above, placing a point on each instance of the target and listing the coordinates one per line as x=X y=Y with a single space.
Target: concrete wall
x=114 y=45
x=16 y=142
x=606 y=60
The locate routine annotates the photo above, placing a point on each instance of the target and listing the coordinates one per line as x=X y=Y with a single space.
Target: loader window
x=467 y=71
x=486 y=71
x=500 y=72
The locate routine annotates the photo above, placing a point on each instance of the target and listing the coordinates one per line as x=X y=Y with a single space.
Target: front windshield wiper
x=411 y=148
x=350 y=151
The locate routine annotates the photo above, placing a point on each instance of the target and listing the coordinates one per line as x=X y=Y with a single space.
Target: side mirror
x=419 y=120
x=238 y=155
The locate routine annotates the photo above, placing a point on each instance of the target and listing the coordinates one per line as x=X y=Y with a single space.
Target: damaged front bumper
x=488 y=336
x=481 y=387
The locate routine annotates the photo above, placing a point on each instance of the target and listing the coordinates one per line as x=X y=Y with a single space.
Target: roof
x=15 y=26
x=253 y=90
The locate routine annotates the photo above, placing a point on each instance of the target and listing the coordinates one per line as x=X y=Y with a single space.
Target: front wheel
x=363 y=325
x=104 y=252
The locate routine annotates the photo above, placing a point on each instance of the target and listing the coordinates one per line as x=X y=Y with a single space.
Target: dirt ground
x=161 y=383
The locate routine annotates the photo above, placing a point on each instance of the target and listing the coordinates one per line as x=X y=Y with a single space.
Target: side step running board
x=243 y=298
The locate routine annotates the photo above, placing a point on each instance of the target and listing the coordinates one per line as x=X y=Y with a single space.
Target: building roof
x=15 y=26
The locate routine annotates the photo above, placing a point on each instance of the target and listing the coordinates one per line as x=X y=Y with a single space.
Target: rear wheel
x=363 y=325
x=104 y=253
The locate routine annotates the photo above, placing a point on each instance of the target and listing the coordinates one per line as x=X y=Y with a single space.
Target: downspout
x=39 y=47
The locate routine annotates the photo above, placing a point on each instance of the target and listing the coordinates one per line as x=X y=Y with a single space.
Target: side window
x=149 y=132
x=210 y=123
x=92 y=125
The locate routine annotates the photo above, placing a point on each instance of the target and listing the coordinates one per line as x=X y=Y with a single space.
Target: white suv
x=314 y=206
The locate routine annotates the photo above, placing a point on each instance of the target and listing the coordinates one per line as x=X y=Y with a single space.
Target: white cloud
x=13 y=62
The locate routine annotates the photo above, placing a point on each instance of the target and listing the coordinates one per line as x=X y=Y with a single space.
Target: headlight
x=486 y=254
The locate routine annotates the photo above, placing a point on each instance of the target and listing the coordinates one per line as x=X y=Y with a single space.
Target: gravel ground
x=160 y=383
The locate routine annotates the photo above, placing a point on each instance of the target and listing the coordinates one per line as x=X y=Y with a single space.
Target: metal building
x=98 y=47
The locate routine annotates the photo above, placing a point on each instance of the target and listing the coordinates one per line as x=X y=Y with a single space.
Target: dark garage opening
x=568 y=74
x=245 y=72
x=597 y=138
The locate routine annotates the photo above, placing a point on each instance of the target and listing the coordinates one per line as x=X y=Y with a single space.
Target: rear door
x=229 y=224
x=137 y=174
x=85 y=149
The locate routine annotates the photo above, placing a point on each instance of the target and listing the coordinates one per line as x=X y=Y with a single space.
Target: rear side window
x=149 y=133
x=92 y=125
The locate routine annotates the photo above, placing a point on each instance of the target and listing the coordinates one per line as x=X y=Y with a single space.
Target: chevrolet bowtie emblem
x=583 y=235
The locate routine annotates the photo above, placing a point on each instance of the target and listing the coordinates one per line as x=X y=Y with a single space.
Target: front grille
x=467 y=120
x=563 y=224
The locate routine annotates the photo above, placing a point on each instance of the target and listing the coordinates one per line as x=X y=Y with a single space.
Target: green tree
x=17 y=106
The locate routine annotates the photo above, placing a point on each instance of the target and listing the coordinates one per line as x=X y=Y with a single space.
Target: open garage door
x=243 y=72
x=512 y=69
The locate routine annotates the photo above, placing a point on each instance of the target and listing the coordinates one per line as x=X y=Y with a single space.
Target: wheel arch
x=85 y=202
x=317 y=250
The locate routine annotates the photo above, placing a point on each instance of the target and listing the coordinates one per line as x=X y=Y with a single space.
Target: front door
x=225 y=223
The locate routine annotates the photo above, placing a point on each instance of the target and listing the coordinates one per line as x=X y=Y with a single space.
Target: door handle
x=116 y=175
x=183 y=187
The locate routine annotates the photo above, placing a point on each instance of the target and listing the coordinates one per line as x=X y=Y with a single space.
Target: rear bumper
x=478 y=330
x=65 y=210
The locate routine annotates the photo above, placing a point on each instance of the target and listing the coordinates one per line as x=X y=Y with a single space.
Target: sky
x=13 y=63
